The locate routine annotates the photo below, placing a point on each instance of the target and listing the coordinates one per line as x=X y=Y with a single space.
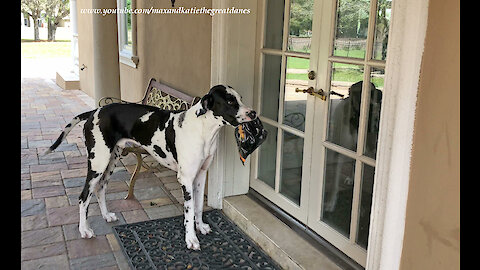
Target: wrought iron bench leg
x=131 y=185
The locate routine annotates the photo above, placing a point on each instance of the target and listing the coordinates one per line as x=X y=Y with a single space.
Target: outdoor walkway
x=51 y=184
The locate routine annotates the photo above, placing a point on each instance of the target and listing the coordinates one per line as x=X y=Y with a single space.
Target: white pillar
x=74 y=29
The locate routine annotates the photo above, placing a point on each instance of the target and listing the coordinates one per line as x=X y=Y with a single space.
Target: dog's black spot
x=159 y=151
x=68 y=125
x=181 y=117
x=186 y=194
x=170 y=139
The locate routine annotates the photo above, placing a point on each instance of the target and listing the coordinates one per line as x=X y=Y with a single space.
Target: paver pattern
x=51 y=184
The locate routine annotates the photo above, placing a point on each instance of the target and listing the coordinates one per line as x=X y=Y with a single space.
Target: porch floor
x=51 y=184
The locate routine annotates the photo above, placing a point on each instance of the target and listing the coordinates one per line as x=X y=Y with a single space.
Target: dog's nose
x=252 y=114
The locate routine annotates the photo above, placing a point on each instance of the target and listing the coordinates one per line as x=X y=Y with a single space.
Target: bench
x=158 y=95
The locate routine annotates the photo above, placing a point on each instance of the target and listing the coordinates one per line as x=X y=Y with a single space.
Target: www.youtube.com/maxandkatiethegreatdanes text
x=178 y=10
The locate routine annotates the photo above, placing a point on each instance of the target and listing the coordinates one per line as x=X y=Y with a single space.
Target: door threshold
x=280 y=241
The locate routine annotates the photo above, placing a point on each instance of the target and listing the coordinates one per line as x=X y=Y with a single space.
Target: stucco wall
x=432 y=230
x=85 y=48
x=172 y=48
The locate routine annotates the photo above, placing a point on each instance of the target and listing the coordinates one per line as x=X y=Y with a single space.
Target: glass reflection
x=344 y=109
x=368 y=174
x=294 y=106
x=271 y=86
x=382 y=24
x=292 y=158
x=351 y=28
x=274 y=24
x=373 y=122
x=300 y=26
x=267 y=157
x=338 y=191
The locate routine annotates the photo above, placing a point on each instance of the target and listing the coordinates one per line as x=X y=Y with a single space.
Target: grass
x=45 y=49
x=342 y=72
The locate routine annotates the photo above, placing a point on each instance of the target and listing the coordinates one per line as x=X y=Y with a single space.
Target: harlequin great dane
x=184 y=141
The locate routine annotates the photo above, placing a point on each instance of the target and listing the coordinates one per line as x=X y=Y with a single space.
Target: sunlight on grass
x=45 y=49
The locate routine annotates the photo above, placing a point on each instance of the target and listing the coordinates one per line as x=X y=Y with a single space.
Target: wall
x=432 y=229
x=172 y=48
x=85 y=48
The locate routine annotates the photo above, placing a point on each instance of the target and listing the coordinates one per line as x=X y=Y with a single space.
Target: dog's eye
x=229 y=102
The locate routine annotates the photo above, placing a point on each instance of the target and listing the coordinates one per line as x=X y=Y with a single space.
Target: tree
x=55 y=11
x=301 y=13
x=34 y=9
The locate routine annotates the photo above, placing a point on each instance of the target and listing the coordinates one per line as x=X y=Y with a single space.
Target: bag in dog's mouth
x=249 y=136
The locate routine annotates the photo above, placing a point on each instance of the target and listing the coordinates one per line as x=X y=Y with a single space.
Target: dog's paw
x=110 y=217
x=86 y=232
x=192 y=242
x=204 y=228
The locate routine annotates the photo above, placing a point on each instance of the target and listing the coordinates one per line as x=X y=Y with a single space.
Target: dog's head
x=226 y=103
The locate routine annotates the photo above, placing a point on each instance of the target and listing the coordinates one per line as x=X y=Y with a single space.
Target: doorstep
x=278 y=240
x=67 y=80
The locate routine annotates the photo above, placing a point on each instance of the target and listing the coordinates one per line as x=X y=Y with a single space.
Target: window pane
x=274 y=24
x=373 y=123
x=292 y=158
x=294 y=106
x=382 y=24
x=351 y=28
x=267 y=156
x=344 y=109
x=271 y=86
x=368 y=173
x=338 y=191
x=300 y=26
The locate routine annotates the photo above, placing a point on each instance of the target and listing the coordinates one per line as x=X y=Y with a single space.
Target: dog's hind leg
x=84 y=200
x=100 y=193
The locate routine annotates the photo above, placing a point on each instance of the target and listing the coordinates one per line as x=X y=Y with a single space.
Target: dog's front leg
x=198 y=190
x=188 y=208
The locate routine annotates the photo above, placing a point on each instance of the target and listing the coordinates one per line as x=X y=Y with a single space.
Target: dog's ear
x=207 y=104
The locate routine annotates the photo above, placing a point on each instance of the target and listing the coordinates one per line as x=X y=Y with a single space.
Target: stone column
x=105 y=51
x=73 y=26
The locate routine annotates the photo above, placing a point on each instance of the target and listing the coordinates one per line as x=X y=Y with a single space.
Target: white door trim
x=405 y=49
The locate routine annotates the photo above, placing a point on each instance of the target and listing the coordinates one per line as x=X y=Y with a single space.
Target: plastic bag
x=249 y=136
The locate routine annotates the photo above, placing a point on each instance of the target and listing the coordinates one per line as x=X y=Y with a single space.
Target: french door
x=319 y=93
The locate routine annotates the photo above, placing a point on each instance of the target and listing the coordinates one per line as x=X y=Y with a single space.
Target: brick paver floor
x=51 y=184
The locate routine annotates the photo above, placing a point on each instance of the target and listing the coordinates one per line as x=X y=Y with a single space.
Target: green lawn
x=343 y=72
x=45 y=49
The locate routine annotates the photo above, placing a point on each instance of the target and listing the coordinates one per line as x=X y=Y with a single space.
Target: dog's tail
x=77 y=119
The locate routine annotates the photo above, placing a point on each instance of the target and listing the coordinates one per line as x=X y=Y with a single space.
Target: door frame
x=402 y=71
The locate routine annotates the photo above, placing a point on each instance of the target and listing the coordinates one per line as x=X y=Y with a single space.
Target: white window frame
x=127 y=53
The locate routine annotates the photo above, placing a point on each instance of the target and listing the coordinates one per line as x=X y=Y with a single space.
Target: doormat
x=160 y=244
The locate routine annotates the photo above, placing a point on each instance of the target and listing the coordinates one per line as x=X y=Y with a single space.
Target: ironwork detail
x=160 y=244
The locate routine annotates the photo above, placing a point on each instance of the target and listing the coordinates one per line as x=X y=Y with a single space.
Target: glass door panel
x=291 y=175
x=344 y=109
x=268 y=157
x=295 y=103
x=351 y=28
x=300 y=26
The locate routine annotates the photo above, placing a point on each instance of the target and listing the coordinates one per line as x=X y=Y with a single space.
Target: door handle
x=320 y=93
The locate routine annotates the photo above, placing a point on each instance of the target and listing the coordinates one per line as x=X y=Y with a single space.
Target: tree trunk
x=36 y=35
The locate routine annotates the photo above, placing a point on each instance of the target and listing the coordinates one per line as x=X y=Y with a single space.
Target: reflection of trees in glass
x=352 y=20
x=301 y=13
x=382 y=25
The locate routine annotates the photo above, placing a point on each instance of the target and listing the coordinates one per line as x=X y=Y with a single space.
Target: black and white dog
x=184 y=141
